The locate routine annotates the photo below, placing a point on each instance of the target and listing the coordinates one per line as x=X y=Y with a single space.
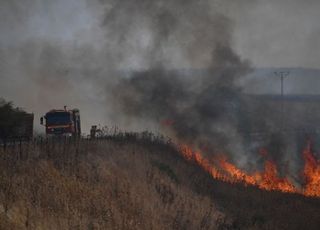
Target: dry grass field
x=131 y=182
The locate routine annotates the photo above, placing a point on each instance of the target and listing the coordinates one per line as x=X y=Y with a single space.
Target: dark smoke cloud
x=202 y=109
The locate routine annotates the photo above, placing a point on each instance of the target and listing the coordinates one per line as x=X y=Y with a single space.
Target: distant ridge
x=291 y=97
x=300 y=81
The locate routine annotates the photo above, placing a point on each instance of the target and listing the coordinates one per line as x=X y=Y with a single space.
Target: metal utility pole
x=282 y=75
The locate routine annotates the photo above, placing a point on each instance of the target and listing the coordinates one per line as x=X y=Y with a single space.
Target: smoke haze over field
x=73 y=52
x=113 y=59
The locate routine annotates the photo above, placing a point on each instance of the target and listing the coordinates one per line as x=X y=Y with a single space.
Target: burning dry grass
x=130 y=183
x=311 y=173
x=268 y=179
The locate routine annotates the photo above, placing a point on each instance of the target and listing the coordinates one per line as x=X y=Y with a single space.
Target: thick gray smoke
x=201 y=110
x=56 y=53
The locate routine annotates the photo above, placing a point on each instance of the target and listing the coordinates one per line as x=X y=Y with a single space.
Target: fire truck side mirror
x=41 y=120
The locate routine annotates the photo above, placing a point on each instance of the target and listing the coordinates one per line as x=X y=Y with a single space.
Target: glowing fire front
x=311 y=173
x=268 y=179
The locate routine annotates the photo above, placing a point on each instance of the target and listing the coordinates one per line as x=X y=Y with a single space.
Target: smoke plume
x=200 y=108
x=162 y=65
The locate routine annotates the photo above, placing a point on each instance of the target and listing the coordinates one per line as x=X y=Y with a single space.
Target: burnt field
x=133 y=181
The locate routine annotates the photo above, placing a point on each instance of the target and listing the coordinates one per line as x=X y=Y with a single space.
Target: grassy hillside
x=125 y=182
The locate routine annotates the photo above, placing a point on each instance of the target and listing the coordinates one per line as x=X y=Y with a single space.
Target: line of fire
x=290 y=127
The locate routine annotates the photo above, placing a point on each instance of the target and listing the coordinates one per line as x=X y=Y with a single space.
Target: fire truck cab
x=62 y=122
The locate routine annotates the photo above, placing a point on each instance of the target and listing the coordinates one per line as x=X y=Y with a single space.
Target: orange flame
x=311 y=173
x=268 y=179
x=271 y=180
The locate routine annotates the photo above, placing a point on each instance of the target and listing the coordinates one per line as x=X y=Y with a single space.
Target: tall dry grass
x=96 y=184
x=132 y=181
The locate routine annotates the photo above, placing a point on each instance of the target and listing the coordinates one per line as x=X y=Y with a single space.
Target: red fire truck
x=62 y=122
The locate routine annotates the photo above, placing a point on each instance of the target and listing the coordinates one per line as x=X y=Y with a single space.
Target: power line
x=282 y=75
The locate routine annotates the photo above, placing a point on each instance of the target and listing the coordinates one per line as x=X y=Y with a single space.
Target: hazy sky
x=278 y=33
x=273 y=33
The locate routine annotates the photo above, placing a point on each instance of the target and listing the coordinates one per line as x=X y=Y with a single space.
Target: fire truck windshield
x=58 y=118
